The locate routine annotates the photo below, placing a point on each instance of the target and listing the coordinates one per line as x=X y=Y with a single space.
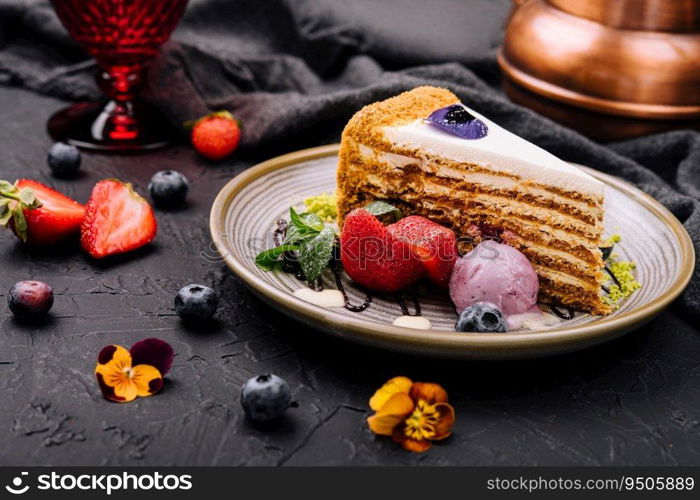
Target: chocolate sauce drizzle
x=561 y=311
x=614 y=278
x=339 y=283
x=280 y=232
x=404 y=307
x=290 y=264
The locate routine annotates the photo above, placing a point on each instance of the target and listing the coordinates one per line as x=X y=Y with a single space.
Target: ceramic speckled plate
x=245 y=211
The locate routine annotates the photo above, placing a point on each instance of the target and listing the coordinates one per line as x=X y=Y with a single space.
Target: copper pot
x=634 y=63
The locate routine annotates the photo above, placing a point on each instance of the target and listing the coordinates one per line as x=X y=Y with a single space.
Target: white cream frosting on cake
x=500 y=151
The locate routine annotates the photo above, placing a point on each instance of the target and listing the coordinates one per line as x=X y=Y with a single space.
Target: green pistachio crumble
x=615 y=238
x=322 y=205
x=623 y=272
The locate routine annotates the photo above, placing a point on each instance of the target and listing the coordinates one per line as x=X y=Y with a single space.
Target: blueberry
x=30 y=299
x=168 y=188
x=196 y=303
x=64 y=160
x=265 y=398
x=482 y=318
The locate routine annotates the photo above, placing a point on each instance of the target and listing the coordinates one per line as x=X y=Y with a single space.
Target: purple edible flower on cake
x=456 y=120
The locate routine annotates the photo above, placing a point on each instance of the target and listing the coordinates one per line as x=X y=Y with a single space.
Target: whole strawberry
x=216 y=135
x=374 y=258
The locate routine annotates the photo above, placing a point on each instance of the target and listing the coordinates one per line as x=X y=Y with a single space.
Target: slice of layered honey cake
x=429 y=154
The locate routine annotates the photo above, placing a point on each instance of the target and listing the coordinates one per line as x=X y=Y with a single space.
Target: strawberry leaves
x=308 y=239
x=13 y=202
x=189 y=124
x=381 y=208
x=305 y=222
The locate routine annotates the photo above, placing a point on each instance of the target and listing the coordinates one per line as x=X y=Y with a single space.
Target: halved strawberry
x=373 y=257
x=57 y=218
x=434 y=245
x=117 y=220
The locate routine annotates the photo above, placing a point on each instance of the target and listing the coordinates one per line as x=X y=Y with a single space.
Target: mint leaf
x=268 y=259
x=295 y=235
x=307 y=234
x=379 y=208
x=303 y=226
x=306 y=222
x=315 y=254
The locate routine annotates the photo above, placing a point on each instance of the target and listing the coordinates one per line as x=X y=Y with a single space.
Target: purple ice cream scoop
x=494 y=273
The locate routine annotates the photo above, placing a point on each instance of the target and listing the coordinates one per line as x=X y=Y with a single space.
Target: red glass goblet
x=122 y=35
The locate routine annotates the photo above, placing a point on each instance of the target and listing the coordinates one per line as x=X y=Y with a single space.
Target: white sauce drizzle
x=417 y=322
x=324 y=298
x=532 y=320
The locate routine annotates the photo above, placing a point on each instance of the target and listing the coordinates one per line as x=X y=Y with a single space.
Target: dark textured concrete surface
x=635 y=401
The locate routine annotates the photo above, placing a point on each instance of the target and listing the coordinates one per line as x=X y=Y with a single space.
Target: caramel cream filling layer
x=514 y=209
x=398 y=163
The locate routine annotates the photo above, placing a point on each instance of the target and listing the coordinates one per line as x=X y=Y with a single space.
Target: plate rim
x=520 y=344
